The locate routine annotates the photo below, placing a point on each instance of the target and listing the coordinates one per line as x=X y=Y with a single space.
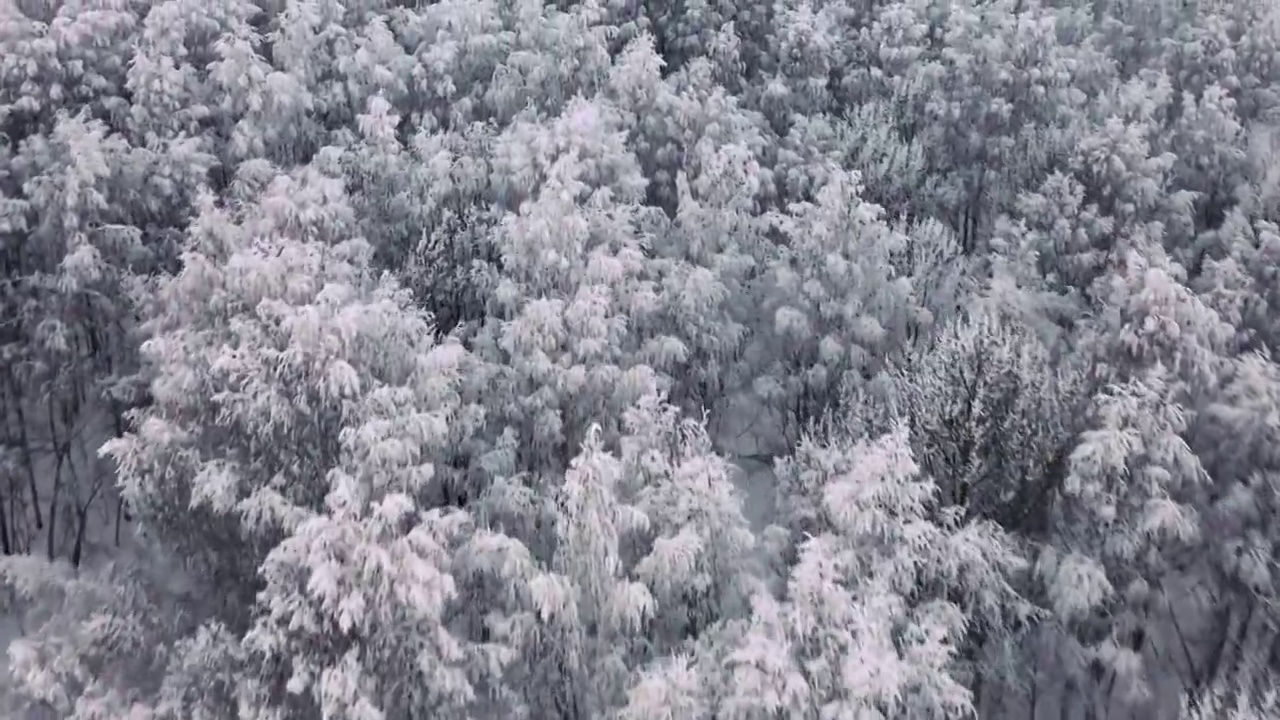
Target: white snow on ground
x=746 y=434
x=756 y=481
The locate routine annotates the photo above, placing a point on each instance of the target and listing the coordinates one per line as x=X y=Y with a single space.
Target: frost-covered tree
x=90 y=640
x=596 y=612
x=836 y=303
x=698 y=555
x=83 y=227
x=573 y=289
x=885 y=585
x=992 y=413
x=287 y=459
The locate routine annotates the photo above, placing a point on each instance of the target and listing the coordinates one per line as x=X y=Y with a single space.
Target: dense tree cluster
x=633 y=359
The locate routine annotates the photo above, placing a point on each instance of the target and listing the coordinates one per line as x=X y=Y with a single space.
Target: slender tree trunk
x=1035 y=679
x=5 y=545
x=82 y=521
x=973 y=654
x=1214 y=665
x=82 y=515
x=24 y=438
x=119 y=518
x=1192 y=671
x=52 y=525
x=117 y=421
x=20 y=542
x=1242 y=632
x=55 y=497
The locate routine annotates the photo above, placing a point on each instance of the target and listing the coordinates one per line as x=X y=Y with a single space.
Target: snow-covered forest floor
x=639 y=359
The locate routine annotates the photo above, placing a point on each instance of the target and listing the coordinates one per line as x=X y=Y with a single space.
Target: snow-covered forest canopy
x=640 y=359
